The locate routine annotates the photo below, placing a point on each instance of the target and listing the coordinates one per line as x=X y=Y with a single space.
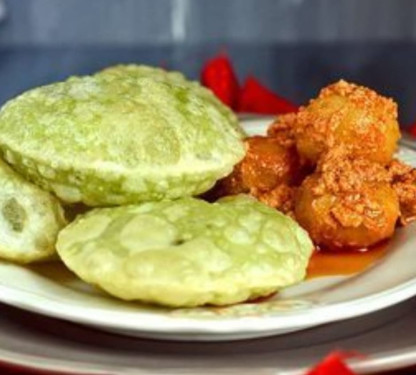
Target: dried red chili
x=413 y=130
x=333 y=364
x=218 y=75
x=256 y=98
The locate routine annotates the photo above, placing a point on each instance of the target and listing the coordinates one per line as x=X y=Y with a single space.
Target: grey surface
x=296 y=71
x=132 y=22
x=48 y=343
x=295 y=46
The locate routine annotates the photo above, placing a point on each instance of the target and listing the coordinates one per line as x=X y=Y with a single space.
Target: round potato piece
x=124 y=135
x=266 y=165
x=269 y=172
x=342 y=222
x=348 y=114
x=30 y=219
x=348 y=203
x=187 y=252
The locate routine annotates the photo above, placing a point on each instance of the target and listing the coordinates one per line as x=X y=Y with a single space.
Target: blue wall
x=133 y=22
x=294 y=46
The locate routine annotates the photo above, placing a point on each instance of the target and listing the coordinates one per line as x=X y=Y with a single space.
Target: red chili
x=218 y=75
x=333 y=364
x=256 y=98
x=413 y=130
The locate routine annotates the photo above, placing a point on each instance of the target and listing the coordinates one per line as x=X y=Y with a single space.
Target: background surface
x=294 y=46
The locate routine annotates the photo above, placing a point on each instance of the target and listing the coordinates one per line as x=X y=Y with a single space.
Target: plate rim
x=172 y=324
x=382 y=361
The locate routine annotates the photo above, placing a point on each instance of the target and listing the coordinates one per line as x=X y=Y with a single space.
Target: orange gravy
x=344 y=262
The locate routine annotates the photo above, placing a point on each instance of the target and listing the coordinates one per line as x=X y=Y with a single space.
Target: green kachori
x=187 y=252
x=30 y=219
x=124 y=135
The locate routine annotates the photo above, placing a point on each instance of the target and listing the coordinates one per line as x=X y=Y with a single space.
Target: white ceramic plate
x=52 y=290
x=386 y=339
